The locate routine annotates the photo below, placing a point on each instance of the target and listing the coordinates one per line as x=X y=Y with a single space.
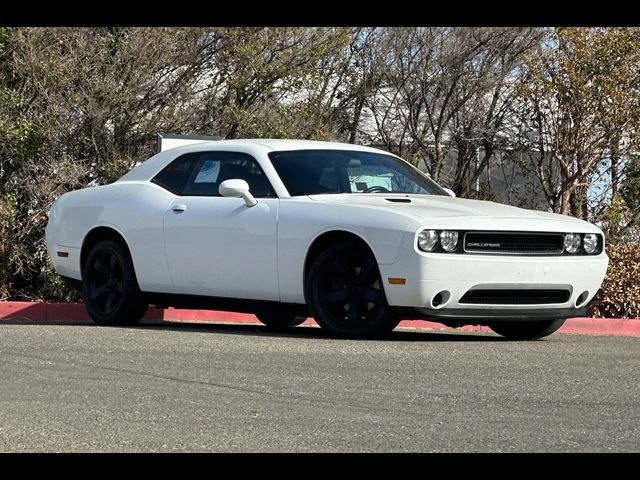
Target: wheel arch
x=98 y=234
x=325 y=239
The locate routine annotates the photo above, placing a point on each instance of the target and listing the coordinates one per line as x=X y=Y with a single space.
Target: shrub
x=5 y=221
x=619 y=296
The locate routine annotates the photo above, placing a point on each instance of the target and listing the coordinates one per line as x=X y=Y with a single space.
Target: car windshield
x=309 y=172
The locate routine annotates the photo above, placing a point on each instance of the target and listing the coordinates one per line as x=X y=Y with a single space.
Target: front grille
x=515 y=297
x=514 y=243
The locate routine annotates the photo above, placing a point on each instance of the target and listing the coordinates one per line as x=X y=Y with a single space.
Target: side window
x=207 y=170
x=175 y=175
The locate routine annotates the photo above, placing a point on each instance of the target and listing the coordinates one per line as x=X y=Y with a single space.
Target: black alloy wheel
x=106 y=283
x=345 y=293
x=110 y=288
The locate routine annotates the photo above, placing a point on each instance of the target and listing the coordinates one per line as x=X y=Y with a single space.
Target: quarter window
x=201 y=173
x=175 y=175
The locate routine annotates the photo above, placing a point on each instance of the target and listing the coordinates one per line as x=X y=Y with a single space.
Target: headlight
x=590 y=243
x=572 y=242
x=449 y=240
x=427 y=240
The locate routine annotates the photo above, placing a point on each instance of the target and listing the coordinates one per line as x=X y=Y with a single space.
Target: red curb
x=29 y=310
x=608 y=326
x=180 y=315
x=38 y=311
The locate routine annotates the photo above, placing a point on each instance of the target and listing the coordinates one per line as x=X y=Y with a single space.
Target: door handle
x=178 y=208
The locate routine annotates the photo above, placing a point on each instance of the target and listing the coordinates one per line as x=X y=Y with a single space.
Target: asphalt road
x=169 y=387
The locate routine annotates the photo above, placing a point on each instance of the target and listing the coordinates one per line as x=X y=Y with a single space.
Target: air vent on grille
x=515 y=297
x=523 y=243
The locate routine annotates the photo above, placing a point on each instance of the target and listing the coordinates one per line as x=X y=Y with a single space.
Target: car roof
x=149 y=168
x=270 y=144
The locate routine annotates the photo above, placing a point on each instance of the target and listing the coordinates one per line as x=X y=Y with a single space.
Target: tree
x=629 y=225
x=481 y=125
x=79 y=105
x=254 y=83
x=581 y=101
x=446 y=91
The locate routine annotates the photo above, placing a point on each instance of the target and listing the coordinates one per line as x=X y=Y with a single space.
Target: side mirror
x=449 y=191
x=237 y=188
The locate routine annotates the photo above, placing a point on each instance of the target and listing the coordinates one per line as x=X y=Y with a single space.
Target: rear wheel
x=280 y=317
x=345 y=295
x=516 y=330
x=109 y=285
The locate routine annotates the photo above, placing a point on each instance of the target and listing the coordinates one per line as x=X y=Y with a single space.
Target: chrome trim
x=498 y=252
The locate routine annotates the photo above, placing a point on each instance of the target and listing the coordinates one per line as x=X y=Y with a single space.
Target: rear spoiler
x=166 y=141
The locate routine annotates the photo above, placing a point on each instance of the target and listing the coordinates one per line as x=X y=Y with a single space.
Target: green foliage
x=619 y=296
x=51 y=287
x=259 y=67
x=614 y=217
x=582 y=92
x=80 y=106
x=109 y=172
x=6 y=217
x=297 y=120
x=18 y=134
x=630 y=190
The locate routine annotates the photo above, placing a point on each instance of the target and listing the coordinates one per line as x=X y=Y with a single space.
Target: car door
x=217 y=246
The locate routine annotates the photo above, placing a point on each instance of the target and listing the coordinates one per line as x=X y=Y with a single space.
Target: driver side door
x=217 y=246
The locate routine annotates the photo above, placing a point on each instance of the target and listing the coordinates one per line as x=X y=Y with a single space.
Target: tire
x=517 y=330
x=280 y=317
x=109 y=285
x=345 y=294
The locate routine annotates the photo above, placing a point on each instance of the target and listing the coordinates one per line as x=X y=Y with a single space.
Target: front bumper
x=463 y=316
x=428 y=274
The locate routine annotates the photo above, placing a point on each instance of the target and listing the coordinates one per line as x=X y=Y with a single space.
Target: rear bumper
x=66 y=260
x=427 y=275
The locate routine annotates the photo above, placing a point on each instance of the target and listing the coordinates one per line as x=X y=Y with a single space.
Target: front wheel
x=345 y=295
x=516 y=330
x=109 y=285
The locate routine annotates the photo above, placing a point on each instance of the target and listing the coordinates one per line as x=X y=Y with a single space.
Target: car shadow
x=307 y=331
x=403 y=334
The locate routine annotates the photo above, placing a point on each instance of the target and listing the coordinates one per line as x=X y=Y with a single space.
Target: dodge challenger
x=354 y=236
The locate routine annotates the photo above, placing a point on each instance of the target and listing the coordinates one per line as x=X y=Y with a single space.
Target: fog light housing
x=449 y=240
x=427 y=240
x=590 y=243
x=572 y=242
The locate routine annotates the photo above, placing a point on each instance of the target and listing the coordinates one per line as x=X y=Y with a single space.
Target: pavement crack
x=289 y=396
x=145 y=374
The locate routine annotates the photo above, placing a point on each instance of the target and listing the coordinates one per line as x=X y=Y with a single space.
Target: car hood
x=444 y=211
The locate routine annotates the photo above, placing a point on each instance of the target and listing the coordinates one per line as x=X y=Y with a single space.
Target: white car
x=355 y=236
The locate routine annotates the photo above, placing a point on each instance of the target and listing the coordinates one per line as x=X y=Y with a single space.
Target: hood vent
x=398 y=200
